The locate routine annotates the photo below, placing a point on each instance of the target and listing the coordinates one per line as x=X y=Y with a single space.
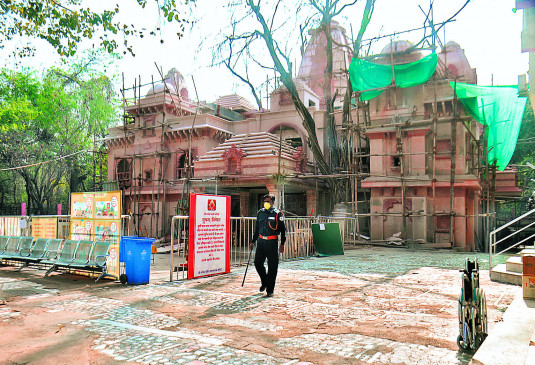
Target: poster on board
x=44 y=227
x=209 y=236
x=107 y=205
x=96 y=216
x=82 y=229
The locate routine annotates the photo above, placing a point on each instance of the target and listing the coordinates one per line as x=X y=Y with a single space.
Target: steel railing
x=493 y=243
x=180 y=229
x=299 y=242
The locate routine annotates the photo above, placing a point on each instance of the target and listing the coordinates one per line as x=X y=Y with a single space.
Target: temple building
x=415 y=153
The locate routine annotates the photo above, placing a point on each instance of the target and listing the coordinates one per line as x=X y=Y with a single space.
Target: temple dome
x=175 y=82
x=398 y=50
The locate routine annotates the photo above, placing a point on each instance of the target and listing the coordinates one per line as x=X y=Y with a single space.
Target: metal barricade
x=298 y=238
x=299 y=242
x=180 y=229
x=241 y=233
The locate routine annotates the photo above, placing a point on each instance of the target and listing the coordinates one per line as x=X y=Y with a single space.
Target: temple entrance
x=296 y=204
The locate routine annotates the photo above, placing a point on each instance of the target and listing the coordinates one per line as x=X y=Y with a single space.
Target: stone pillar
x=244 y=203
x=274 y=190
x=312 y=203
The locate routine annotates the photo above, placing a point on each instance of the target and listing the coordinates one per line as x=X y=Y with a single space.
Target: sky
x=488 y=31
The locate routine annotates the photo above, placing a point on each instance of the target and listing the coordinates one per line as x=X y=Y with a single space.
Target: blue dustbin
x=122 y=246
x=137 y=257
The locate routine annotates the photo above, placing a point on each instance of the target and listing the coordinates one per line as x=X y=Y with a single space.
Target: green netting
x=501 y=110
x=365 y=75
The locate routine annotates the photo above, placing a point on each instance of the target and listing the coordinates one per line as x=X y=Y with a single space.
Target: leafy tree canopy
x=64 y=23
x=45 y=117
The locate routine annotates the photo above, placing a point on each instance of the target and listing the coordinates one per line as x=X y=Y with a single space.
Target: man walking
x=269 y=224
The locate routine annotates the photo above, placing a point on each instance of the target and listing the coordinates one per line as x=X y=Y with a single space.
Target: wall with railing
x=502 y=238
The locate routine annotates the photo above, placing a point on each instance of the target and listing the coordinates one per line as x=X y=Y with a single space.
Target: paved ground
x=373 y=305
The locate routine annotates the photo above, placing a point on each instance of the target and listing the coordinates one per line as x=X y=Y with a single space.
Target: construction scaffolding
x=151 y=166
x=451 y=159
x=474 y=151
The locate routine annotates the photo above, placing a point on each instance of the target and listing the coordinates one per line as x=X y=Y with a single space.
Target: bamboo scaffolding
x=358 y=151
x=453 y=164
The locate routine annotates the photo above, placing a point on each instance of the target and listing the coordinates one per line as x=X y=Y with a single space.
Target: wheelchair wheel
x=462 y=344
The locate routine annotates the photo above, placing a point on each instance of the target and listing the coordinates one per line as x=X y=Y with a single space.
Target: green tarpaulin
x=365 y=75
x=501 y=110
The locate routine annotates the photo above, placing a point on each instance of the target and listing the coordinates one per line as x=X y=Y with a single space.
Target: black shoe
x=262 y=288
x=269 y=295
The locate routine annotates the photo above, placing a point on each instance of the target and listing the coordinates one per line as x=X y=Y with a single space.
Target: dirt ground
x=372 y=305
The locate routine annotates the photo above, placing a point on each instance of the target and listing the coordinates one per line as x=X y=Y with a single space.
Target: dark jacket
x=270 y=223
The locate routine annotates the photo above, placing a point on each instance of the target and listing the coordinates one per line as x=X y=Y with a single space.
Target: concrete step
x=509 y=342
x=527 y=251
x=501 y=275
x=514 y=264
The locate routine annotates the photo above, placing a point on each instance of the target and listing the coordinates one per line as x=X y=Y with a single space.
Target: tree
x=64 y=23
x=47 y=124
x=240 y=44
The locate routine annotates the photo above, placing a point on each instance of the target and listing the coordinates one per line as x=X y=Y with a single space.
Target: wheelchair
x=472 y=309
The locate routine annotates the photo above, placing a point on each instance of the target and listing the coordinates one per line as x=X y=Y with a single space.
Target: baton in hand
x=246 y=267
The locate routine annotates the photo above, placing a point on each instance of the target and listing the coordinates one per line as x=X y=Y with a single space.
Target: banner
x=82 y=205
x=209 y=236
x=45 y=227
x=96 y=216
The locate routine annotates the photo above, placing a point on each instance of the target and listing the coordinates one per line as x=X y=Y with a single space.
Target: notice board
x=96 y=216
x=45 y=227
x=209 y=235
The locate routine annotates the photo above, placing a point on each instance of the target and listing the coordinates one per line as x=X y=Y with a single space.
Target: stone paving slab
x=372 y=305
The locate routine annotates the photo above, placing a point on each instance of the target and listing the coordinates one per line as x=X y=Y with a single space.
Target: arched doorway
x=290 y=135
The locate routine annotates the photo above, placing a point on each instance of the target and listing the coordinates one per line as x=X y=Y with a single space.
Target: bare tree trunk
x=286 y=78
x=334 y=156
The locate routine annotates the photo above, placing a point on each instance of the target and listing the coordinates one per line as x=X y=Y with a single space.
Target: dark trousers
x=267 y=249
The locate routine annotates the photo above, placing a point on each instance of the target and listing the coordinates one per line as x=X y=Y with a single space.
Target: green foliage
x=64 y=23
x=46 y=117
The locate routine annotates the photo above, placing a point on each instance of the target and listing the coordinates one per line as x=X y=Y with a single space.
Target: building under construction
x=417 y=173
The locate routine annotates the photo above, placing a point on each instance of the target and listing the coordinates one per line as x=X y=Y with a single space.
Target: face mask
x=267 y=205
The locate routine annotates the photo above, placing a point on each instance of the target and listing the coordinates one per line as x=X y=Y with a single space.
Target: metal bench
x=10 y=247
x=3 y=241
x=16 y=248
x=86 y=256
x=34 y=253
x=97 y=260
x=64 y=258
x=75 y=254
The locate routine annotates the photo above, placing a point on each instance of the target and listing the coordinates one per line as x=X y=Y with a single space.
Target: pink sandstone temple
x=408 y=186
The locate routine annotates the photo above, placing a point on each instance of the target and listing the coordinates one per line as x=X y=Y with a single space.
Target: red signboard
x=209 y=235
